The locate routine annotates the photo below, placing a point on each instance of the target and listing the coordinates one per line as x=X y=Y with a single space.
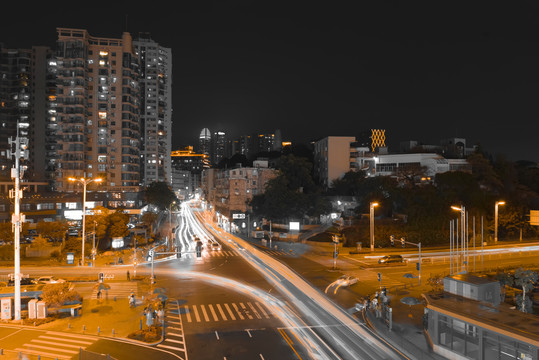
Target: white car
x=216 y=246
x=49 y=280
x=346 y=280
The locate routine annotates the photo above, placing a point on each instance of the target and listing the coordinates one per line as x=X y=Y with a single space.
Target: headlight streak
x=278 y=308
x=377 y=348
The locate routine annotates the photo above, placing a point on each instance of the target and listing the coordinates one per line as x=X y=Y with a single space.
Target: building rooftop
x=502 y=318
x=472 y=279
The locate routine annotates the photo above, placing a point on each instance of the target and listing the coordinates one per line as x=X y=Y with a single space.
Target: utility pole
x=17 y=218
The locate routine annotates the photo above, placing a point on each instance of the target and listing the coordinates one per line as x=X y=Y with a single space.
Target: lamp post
x=84 y=181
x=498 y=203
x=371 y=218
x=462 y=210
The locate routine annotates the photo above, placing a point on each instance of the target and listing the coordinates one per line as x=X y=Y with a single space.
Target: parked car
x=390 y=259
x=346 y=280
x=49 y=280
x=24 y=281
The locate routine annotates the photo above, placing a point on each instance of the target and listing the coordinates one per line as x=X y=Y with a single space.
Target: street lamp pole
x=84 y=181
x=496 y=220
x=462 y=210
x=371 y=218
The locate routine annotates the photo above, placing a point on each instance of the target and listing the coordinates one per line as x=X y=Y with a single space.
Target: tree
x=525 y=279
x=291 y=194
x=55 y=230
x=58 y=294
x=159 y=194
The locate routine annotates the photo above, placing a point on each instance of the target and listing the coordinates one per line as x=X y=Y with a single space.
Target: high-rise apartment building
x=218 y=143
x=156 y=109
x=27 y=94
x=15 y=101
x=98 y=106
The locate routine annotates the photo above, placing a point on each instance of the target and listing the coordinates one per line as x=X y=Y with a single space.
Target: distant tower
x=204 y=142
x=218 y=147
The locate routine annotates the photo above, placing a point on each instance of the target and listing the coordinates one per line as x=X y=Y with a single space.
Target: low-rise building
x=467 y=321
x=229 y=191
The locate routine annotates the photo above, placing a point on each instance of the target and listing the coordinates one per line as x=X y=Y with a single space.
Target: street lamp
x=463 y=244
x=371 y=217
x=496 y=220
x=84 y=181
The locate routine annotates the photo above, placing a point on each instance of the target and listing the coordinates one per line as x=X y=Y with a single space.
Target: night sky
x=422 y=70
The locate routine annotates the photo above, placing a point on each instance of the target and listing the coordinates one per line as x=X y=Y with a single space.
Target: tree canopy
x=159 y=194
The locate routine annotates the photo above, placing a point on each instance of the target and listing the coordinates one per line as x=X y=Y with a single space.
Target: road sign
x=534 y=217
x=238 y=216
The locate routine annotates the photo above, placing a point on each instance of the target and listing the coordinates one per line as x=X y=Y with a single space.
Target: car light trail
x=349 y=338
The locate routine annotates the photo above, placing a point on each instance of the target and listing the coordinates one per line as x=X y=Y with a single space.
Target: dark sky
x=422 y=70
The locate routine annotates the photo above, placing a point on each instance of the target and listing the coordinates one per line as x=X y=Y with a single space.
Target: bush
x=57 y=294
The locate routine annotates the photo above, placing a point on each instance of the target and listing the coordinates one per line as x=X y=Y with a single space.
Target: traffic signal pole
x=403 y=241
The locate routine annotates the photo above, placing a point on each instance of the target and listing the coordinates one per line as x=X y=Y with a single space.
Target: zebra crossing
x=174 y=335
x=118 y=290
x=56 y=345
x=225 y=312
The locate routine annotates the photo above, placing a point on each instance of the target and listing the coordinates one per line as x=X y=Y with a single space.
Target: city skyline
x=421 y=71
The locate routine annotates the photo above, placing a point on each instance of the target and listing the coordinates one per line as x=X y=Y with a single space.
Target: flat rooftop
x=501 y=318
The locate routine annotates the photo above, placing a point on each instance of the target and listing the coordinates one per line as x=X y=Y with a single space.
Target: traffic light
x=379 y=276
x=418 y=266
x=392 y=239
x=402 y=241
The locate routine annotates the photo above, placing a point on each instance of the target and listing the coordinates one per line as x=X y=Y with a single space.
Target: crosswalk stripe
x=246 y=311
x=174 y=328
x=215 y=318
x=205 y=313
x=174 y=334
x=230 y=312
x=197 y=316
x=59 y=344
x=168 y=347
x=221 y=311
x=254 y=310
x=64 y=335
x=238 y=311
x=187 y=314
x=67 y=340
x=175 y=341
x=41 y=353
x=32 y=346
x=262 y=309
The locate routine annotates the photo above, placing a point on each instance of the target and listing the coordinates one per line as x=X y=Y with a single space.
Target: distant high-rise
x=218 y=143
x=156 y=117
x=98 y=107
x=204 y=142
